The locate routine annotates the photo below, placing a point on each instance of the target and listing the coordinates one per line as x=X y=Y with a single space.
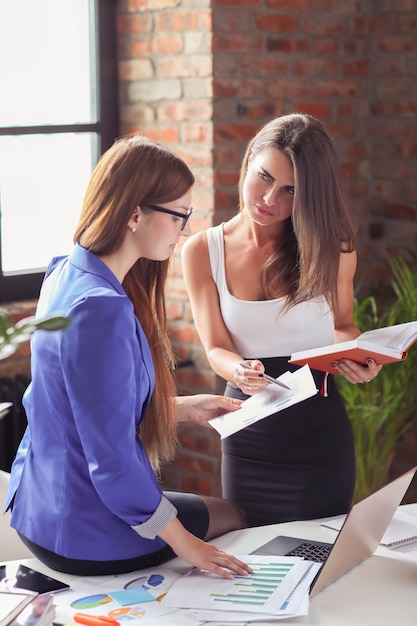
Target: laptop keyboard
x=311 y=552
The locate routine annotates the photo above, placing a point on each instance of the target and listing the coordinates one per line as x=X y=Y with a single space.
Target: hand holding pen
x=259 y=376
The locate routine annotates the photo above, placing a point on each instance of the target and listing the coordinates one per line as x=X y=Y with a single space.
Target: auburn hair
x=133 y=171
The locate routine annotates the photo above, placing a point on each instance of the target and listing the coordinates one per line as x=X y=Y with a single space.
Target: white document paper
x=269 y=401
x=402 y=529
x=296 y=605
x=266 y=591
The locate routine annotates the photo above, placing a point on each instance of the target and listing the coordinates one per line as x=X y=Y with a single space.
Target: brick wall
x=203 y=75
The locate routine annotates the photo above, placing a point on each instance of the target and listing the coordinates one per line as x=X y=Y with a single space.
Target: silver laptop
x=358 y=538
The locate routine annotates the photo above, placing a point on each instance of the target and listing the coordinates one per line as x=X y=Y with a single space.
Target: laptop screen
x=359 y=536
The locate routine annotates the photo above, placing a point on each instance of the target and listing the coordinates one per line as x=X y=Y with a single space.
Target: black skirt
x=296 y=464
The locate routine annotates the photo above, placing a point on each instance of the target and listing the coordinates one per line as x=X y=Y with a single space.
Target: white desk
x=381 y=591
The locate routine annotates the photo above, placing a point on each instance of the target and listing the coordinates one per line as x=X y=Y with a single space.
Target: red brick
x=135 y=69
x=184 y=66
x=172 y=44
x=196 y=132
x=261 y=65
x=183 y=334
x=396 y=44
x=289 y=5
x=189 y=379
x=240 y=4
x=409 y=150
x=288 y=45
x=359 y=67
x=356 y=149
x=175 y=310
x=229 y=132
x=337 y=6
x=222 y=178
x=237 y=42
x=166 y=135
x=134 y=24
x=382 y=23
x=317 y=109
x=277 y=23
x=337 y=89
x=325 y=45
x=316 y=67
x=289 y=88
x=141 y=47
x=407 y=23
x=226 y=203
x=195 y=155
x=232 y=21
x=357 y=190
x=350 y=170
x=183 y=20
x=185 y=110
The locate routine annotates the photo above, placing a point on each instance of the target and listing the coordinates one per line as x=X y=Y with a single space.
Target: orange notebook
x=384 y=345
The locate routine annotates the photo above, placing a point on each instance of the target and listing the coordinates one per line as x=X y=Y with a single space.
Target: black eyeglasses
x=184 y=216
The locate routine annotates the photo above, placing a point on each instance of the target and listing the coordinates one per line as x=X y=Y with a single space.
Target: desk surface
x=381 y=591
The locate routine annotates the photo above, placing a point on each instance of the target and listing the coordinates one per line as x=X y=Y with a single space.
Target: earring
x=133 y=230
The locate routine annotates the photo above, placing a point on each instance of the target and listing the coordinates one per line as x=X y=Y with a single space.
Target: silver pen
x=268 y=378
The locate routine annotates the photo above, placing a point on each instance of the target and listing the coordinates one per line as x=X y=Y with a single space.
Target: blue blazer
x=82 y=482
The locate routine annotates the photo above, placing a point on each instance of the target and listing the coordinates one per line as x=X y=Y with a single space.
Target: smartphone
x=27 y=578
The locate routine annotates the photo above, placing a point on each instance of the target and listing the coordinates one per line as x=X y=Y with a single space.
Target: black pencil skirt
x=296 y=464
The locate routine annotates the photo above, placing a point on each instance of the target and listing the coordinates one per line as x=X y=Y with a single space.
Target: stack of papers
x=273 y=399
x=277 y=589
x=401 y=532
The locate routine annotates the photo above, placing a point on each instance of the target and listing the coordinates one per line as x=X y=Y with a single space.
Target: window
x=58 y=113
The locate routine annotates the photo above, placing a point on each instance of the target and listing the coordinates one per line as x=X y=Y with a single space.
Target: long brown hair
x=321 y=225
x=133 y=171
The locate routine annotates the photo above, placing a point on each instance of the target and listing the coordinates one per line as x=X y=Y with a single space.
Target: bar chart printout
x=265 y=590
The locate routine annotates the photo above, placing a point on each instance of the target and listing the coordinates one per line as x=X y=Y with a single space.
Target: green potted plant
x=13 y=335
x=383 y=410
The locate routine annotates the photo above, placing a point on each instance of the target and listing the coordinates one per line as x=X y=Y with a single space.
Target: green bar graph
x=256 y=588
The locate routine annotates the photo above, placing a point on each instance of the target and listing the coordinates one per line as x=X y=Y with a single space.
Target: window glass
x=45 y=62
x=58 y=113
x=43 y=179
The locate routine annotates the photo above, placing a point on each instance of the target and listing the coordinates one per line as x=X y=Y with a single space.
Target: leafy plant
x=383 y=410
x=12 y=336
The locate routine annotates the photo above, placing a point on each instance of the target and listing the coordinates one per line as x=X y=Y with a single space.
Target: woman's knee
x=224 y=516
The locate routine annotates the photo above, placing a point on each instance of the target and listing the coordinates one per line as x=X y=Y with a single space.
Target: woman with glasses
x=101 y=406
x=274 y=279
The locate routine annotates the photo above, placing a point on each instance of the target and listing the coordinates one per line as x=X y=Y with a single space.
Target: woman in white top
x=274 y=279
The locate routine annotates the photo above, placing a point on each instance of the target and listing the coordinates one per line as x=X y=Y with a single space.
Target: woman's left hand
x=357 y=373
x=203 y=407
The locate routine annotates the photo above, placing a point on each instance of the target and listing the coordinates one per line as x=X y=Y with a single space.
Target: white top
x=261 y=329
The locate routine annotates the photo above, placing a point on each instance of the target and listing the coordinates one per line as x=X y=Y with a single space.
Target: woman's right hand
x=201 y=554
x=249 y=377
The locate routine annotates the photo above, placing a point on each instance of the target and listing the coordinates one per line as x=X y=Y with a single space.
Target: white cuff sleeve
x=163 y=514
